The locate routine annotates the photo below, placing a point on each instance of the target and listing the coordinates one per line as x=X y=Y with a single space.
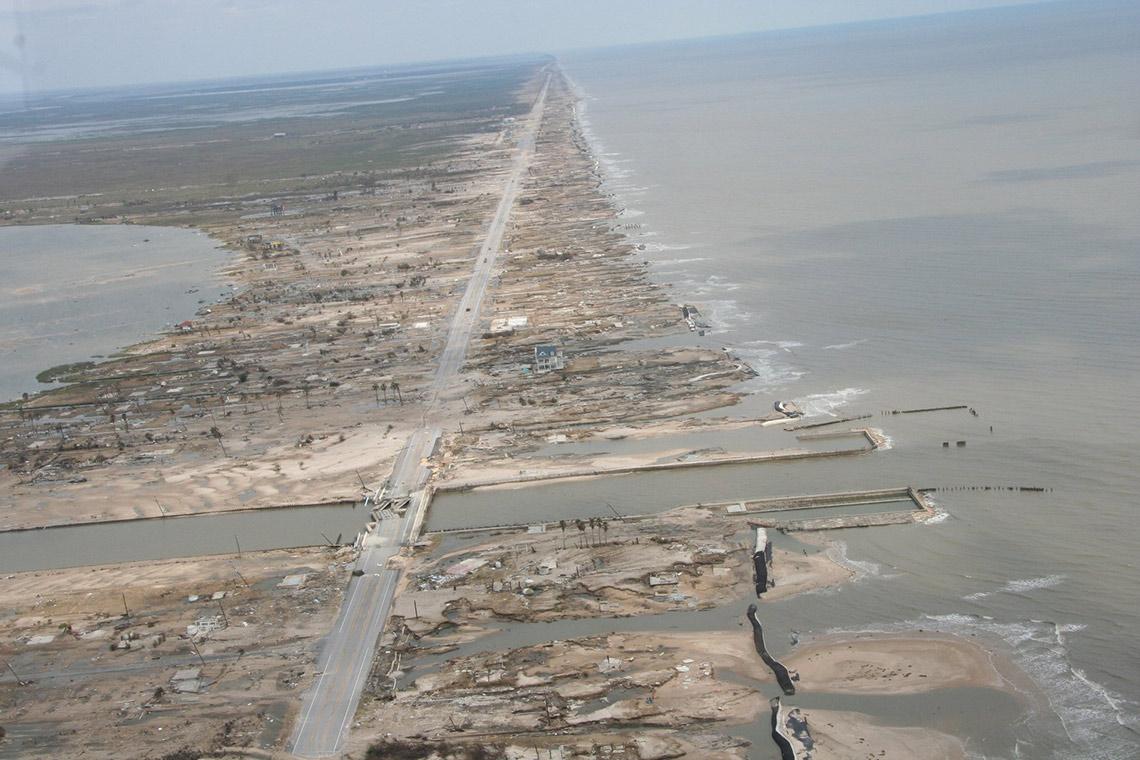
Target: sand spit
x=894 y=664
x=842 y=735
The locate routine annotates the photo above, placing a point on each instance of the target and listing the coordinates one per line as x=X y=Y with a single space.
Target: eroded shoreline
x=311 y=333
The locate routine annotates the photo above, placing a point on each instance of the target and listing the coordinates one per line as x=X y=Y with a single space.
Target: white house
x=547 y=358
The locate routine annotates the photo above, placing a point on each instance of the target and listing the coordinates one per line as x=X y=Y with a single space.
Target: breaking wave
x=1020 y=586
x=662 y=247
x=771 y=371
x=837 y=553
x=828 y=404
x=1091 y=716
x=940 y=514
x=724 y=314
x=783 y=345
x=841 y=346
x=1095 y=723
x=716 y=284
x=887 y=444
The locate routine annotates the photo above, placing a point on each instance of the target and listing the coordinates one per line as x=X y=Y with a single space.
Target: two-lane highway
x=343 y=666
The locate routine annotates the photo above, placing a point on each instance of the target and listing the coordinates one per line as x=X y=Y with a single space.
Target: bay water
x=74 y=292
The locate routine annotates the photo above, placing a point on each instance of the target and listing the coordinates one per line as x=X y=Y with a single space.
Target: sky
x=63 y=44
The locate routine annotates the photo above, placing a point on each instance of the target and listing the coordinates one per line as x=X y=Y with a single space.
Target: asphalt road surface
x=328 y=706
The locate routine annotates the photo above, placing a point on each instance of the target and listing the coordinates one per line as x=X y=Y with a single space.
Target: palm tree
x=376 y=393
x=384 y=387
x=396 y=388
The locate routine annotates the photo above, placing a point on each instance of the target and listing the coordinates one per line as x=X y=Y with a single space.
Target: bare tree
x=217 y=436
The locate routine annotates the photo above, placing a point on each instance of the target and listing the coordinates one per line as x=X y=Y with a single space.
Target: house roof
x=545 y=352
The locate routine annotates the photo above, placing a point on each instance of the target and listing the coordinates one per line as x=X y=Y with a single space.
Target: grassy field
x=189 y=144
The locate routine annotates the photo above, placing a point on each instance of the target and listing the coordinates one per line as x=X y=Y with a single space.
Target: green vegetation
x=404 y=750
x=64 y=373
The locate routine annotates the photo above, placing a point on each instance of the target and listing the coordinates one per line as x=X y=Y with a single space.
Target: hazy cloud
x=1090 y=170
x=85 y=43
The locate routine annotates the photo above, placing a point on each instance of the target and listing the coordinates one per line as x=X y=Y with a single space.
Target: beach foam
x=842 y=346
x=887 y=444
x=828 y=404
x=714 y=283
x=1087 y=709
x=1101 y=724
x=724 y=314
x=1019 y=586
x=940 y=514
x=770 y=370
x=837 y=553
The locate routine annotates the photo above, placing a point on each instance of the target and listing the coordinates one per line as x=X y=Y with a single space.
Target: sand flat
x=851 y=736
x=894 y=664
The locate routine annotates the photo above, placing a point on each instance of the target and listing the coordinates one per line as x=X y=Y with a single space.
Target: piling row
x=1021 y=489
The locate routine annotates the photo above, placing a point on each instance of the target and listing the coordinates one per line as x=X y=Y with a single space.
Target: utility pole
x=195 y=648
x=238 y=547
x=126 y=609
x=239 y=575
x=19 y=681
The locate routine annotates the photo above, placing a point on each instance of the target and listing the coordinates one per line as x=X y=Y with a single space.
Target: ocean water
x=69 y=293
x=914 y=213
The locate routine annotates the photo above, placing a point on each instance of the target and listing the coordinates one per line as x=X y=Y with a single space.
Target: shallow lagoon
x=69 y=293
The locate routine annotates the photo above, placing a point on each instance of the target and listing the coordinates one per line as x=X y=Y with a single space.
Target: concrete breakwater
x=787 y=752
x=823 y=500
x=783 y=676
x=914 y=503
x=761 y=560
x=884 y=413
x=910 y=506
x=586 y=472
x=158 y=538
